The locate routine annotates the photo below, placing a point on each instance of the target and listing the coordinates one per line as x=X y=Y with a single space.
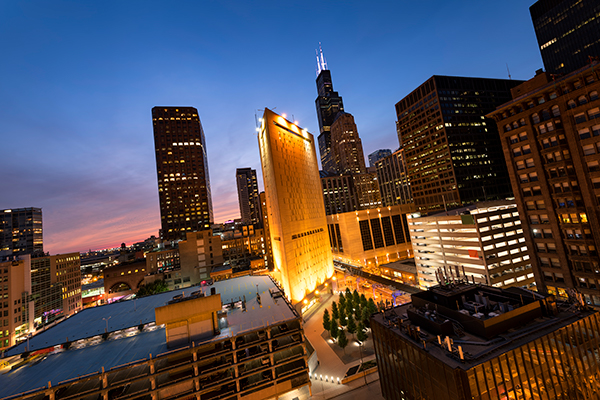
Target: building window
x=365 y=234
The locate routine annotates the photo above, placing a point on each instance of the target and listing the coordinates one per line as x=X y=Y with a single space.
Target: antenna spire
x=321 y=62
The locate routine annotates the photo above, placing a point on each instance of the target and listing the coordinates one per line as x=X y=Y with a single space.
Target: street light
x=106 y=320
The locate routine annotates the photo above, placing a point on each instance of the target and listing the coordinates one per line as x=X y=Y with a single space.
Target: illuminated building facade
x=16 y=310
x=394 y=186
x=474 y=342
x=247 y=186
x=182 y=169
x=483 y=242
x=550 y=135
x=453 y=153
x=568 y=33
x=378 y=155
x=346 y=146
x=21 y=231
x=369 y=238
x=297 y=222
x=66 y=270
x=46 y=291
x=329 y=103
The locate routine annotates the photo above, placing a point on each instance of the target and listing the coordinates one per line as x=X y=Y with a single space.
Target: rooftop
x=484 y=321
x=126 y=342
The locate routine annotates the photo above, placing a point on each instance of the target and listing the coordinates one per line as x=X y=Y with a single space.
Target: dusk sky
x=79 y=80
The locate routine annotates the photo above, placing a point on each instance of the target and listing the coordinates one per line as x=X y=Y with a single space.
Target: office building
x=55 y=286
x=367 y=190
x=21 y=231
x=346 y=146
x=297 y=222
x=568 y=33
x=236 y=339
x=483 y=241
x=247 y=186
x=452 y=151
x=182 y=169
x=16 y=309
x=550 y=135
x=244 y=247
x=462 y=341
x=339 y=193
x=369 y=238
x=392 y=179
x=329 y=103
x=378 y=155
x=267 y=232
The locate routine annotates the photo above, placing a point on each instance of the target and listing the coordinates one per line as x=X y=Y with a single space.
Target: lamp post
x=361 y=361
x=106 y=320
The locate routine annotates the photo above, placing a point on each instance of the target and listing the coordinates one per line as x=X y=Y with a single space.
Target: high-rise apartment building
x=394 y=186
x=16 y=309
x=378 y=155
x=460 y=341
x=568 y=33
x=346 y=146
x=297 y=222
x=483 y=241
x=550 y=135
x=452 y=151
x=182 y=169
x=21 y=231
x=329 y=103
x=247 y=185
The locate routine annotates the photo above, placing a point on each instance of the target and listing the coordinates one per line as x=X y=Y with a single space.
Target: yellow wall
x=298 y=225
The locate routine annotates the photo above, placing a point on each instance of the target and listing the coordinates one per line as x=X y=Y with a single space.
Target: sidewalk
x=330 y=364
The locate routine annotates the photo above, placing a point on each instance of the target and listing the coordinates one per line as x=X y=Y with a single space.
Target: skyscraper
x=21 y=231
x=296 y=214
x=328 y=104
x=568 y=33
x=550 y=134
x=182 y=169
x=247 y=185
x=346 y=147
x=378 y=155
x=452 y=152
x=392 y=178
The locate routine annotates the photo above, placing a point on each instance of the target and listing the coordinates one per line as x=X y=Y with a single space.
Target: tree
x=351 y=325
x=343 y=320
x=356 y=297
x=342 y=300
x=343 y=341
x=371 y=306
x=334 y=311
x=363 y=300
x=349 y=307
x=358 y=312
x=333 y=329
x=152 y=288
x=326 y=320
x=366 y=315
x=361 y=335
x=348 y=293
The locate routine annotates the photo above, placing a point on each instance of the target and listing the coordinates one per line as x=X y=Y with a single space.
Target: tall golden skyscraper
x=295 y=209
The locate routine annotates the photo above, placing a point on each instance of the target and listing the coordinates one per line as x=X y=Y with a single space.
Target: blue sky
x=79 y=80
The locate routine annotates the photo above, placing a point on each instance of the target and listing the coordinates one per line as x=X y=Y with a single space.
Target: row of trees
x=351 y=313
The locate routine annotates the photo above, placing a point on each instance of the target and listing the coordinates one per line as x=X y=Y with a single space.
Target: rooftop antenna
x=321 y=62
x=508 y=70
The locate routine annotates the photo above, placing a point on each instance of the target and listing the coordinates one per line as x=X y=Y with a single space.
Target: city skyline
x=83 y=80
